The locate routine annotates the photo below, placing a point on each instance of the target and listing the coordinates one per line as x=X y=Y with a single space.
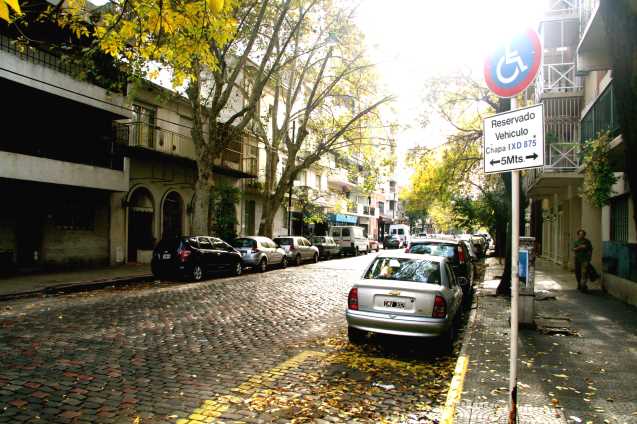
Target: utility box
x=526 y=271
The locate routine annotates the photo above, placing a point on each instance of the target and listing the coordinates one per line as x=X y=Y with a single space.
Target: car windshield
x=318 y=240
x=284 y=241
x=405 y=269
x=243 y=242
x=435 y=249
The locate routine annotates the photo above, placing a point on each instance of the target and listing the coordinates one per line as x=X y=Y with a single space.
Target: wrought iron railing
x=52 y=61
x=241 y=156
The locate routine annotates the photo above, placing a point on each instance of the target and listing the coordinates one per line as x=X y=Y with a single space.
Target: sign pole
x=515 y=285
x=514 y=140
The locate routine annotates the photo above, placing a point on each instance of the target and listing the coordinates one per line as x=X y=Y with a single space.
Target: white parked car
x=406 y=295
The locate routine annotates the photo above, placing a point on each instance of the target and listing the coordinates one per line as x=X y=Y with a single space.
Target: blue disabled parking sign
x=513 y=66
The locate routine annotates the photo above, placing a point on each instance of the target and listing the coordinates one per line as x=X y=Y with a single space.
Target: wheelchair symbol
x=510 y=57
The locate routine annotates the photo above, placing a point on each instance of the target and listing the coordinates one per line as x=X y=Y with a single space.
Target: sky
x=414 y=40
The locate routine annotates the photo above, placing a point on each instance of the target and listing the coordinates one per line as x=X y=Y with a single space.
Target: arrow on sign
x=533 y=156
x=494 y=162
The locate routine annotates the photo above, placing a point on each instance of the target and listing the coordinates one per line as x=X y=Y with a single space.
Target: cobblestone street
x=256 y=348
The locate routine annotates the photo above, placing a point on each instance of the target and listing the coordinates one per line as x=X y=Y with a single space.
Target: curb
x=455 y=389
x=67 y=288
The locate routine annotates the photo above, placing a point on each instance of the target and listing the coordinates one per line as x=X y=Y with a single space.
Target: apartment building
x=163 y=169
x=576 y=87
x=61 y=171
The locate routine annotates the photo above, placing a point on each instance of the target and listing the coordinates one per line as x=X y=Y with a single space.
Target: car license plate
x=393 y=304
x=165 y=256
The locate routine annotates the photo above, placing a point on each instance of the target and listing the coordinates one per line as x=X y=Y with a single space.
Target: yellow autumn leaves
x=4 y=8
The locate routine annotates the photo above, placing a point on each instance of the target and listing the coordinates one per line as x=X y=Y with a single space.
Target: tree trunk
x=270 y=209
x=201 y=205
x=620 y=18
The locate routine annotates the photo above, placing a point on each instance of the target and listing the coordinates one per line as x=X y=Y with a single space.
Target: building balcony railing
x=557 y=78
x=601 y=116
x=238 y=158
x=562 y=9
x=55 y=62
x=559 y=157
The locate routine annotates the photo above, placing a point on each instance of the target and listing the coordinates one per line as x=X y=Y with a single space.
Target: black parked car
x=193 y=257
x=457 y=255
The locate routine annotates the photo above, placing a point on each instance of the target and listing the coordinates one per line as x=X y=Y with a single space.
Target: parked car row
x=194 y=257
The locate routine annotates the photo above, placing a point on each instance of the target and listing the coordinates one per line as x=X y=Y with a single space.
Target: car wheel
x=284 y=262
x=356 y=336
x=356 y=252
x=297 y=260
x=197 y=272
x=263 y=265
x=316 y=258
x=238 y=269
x=378 y=249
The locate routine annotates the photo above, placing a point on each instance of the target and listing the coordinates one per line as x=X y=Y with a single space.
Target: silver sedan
x=407 y=295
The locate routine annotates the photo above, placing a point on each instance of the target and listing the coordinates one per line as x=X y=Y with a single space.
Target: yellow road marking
x=211 y=409
x=455 y=390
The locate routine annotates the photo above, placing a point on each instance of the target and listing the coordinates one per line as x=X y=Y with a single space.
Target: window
x=392 y=205
x=345 y=232
x=318 y=182
x=204 y=243
x=74 y=216
x=451 y=278
x=144 y=122
x=403 y=269
x=619 y=219
x=444 y=250
x=244 y=242
x=381 y=208
x=336 y=233
x=401 y=232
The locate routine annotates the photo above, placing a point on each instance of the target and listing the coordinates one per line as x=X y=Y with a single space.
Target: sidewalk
x=588 y=376
x=53 y=282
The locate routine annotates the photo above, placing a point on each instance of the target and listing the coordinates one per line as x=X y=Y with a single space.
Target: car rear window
x=284 y=241
x=434 y=249
x=170 y=244
x=244 y=242
x=418 y=270
x=345 y=232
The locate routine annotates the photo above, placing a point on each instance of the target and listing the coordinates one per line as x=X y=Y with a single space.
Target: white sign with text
x=514 y=140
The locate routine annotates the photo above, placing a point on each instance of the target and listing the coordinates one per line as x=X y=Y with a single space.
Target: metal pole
x=515 y=285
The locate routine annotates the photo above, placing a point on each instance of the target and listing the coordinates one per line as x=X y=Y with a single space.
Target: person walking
x=583 y=252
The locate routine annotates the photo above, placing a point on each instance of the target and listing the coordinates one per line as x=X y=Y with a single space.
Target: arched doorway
x=172 y=215
x=141 y=214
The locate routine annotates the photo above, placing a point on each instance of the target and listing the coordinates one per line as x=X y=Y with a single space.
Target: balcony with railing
x=592 y=51
x=562 y=9
x=238 y=159
x=561 y=161
x=601 y=116
x=557 y=79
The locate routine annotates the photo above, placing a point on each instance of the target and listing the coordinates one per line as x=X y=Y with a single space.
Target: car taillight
x=440 y=307
x=183 y=254
x=352 y=299
x=255 y=251
x=460 y=254
x=292 y=247
x=408 y=248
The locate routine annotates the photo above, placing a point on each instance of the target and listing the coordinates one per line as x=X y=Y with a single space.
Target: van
x=350 y=238
x=402 y=232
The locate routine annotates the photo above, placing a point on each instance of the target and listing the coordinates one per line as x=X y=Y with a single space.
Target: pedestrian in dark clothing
x=583 y=252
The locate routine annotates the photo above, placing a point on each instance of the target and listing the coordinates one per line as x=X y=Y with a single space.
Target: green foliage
x=598 y=175
x=312 y=212
x=223 y=222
